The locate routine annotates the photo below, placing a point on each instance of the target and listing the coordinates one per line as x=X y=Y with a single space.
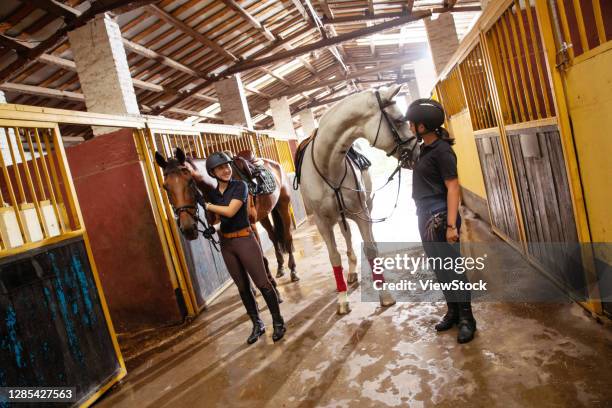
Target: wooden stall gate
x=55 y=326
x=201 y=272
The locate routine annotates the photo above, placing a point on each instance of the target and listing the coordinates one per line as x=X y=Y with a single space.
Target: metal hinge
x=563 y=59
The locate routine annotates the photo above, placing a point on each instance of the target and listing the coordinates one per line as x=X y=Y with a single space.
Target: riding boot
x=258 y=329
x=467 y=323
x=450 y=318
x=277 y=320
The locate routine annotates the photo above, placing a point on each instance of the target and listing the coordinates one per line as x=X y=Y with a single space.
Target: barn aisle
x=523 y=355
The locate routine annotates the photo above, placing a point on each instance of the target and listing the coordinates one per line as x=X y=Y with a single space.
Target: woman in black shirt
x=239 y=247
x=435 y=190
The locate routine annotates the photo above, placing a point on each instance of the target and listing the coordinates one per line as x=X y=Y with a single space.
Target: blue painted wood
x=53 y=331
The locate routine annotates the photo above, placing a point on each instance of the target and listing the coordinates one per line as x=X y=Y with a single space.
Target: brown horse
x=260 y=207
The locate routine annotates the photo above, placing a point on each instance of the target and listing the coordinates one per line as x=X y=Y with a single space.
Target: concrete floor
x=524 y=355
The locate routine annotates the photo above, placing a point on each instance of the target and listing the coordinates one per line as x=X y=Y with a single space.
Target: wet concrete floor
x=524 y=355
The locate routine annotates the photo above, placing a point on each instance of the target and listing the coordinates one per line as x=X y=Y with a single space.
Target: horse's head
x=180 y=183
x=386 y=127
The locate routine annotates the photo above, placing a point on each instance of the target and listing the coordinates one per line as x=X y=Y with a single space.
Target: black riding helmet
x=426 y=111
x=215 y=160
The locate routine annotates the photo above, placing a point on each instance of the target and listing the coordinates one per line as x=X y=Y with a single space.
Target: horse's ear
x=389 y=93
x=180 y=155
x=159 y=159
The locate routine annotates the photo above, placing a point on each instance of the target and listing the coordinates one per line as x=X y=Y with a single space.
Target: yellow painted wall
x=589 y=90
x=468 y=163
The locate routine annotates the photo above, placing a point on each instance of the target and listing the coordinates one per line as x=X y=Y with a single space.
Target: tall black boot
x=450 y=318
x=467 y=323
x=277 y=320
x=248 y=299
x=258 y=329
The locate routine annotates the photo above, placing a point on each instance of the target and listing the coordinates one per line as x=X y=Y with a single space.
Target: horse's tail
x=279 y=230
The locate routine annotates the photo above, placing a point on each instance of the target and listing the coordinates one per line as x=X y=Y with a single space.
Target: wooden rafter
x=101 y=6
x=56 y=8
x=386 y=16
x=178 y=24
x=250 y=19
x=298 y=89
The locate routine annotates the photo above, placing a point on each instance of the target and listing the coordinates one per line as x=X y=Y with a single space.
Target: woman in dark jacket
x=435 y=189
x=239 y=247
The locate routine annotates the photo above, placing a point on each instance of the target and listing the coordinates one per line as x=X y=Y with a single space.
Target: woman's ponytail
x=444 y=135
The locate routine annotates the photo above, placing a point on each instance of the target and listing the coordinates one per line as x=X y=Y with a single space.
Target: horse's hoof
x=386 y=298
x=280 y=273
x=352 y=278
x=294 y=277
x=343 y=308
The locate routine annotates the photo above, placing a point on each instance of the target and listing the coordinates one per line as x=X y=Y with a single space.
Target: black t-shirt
x=235 y=189
x=437 y=162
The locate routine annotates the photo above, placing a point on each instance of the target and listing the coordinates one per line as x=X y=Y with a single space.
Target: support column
x=442 y=38
x=413 y=88
x=425 y=76
x=103 y=69
x=232 y=98
x=281 y=114
x=308 y=121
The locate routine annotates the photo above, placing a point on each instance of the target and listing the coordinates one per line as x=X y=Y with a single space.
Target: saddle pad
x=264 y=183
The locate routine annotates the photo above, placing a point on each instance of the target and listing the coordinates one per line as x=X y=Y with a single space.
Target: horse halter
x=208 y=231
x=394 y=131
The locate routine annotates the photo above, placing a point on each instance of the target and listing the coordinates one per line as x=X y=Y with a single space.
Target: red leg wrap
x=340 y=282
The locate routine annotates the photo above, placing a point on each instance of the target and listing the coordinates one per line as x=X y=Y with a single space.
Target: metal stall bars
x=495 y=164
x=46 y=267
x=451 y=93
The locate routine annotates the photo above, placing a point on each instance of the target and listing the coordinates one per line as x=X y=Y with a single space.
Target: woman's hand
x=452 y=235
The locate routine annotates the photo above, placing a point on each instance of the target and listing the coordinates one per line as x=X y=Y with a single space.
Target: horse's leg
x=325 y=228
x=283 y=208
x=350 y=253
x=280 y=259
x=266 y=265
x=371 y=252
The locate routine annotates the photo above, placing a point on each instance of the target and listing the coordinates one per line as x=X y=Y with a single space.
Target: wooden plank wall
x=503 y=213
x=546 y=204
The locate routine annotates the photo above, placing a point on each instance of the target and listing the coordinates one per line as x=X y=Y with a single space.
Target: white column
x=281 y=114
x=413 y=88
x=442 y=38
x=232 y=98
x=103 y=69
x=425 y=76
x=308 y=121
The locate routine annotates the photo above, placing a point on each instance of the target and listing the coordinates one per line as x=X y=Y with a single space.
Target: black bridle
x=193 y=210
x=399 y=142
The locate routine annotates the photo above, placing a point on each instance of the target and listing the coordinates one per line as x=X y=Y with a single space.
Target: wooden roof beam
x=248 y=17
x=298 y=89
x=162 y=59
x=178 y=24
x=383 y=16
x=40 y=91
x=252 y=64
x=55 y=8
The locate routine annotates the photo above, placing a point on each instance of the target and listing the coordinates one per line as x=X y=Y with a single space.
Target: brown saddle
x=245 y=162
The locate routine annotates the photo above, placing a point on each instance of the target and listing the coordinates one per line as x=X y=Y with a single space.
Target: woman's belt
x=245 y=232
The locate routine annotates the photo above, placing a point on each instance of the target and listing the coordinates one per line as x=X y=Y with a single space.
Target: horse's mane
x=333 y=111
